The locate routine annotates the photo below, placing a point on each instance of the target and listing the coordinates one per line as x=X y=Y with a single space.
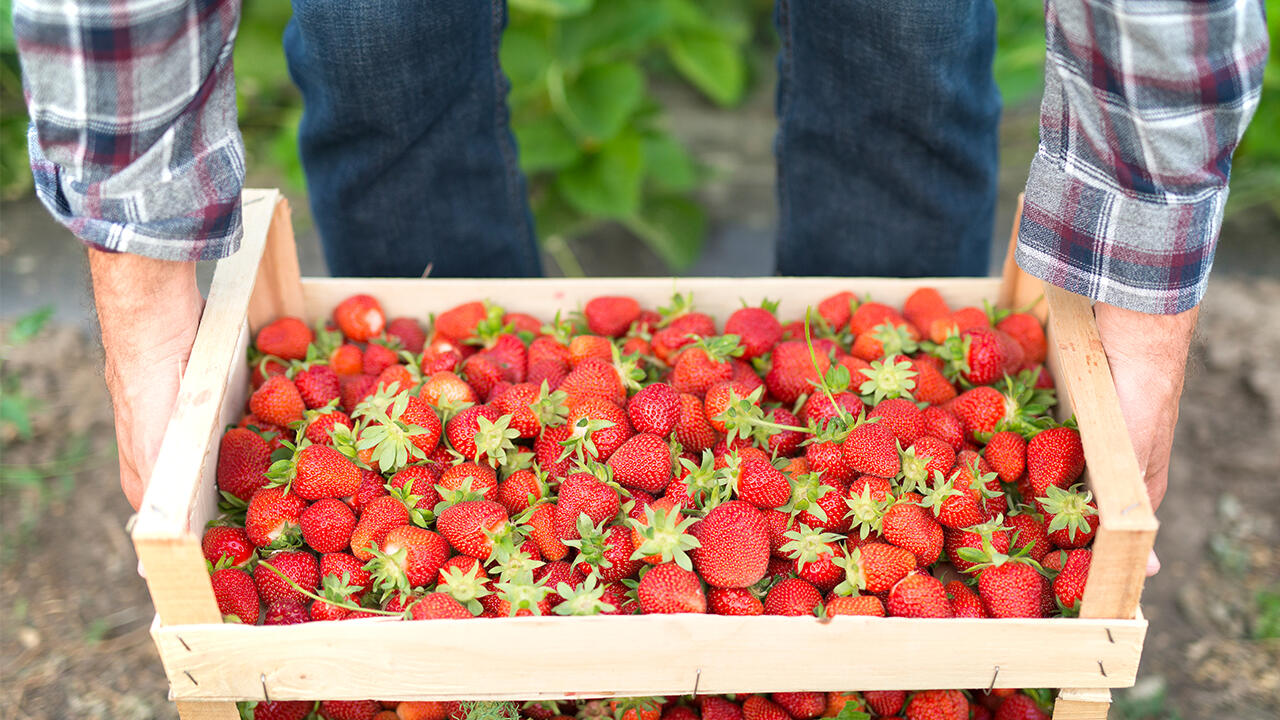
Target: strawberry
x=1054 y=457
x=874 y=567
x=409 y=332
x=459 y=323
x=860 y=605
x=584 y=493
x=818 y=409
x=944 y=425
x=902 y=417
x=733 y=601
x=243 y=459
x=587 y=347
x=519 y=490
x=285 y=613
x=885 y=702
x=1010 y=588
x=714 y=707
x=1028 y=532
x=611 y=315
x=669 y=588
x=801 y=705
x=681 y=331
x=461 y=430
x=272 y=515
x=377 y=518
x=224 y=541
x=836 y=310
x=757 y=329
x=282 y=709
x=870 y=448
x=937 y=705
x=693 y=431
x=438 y=606
x=594 y=377
x=355 y=388
x=922 y=307
x=965 y=603
x=931 y=385
x=654 y=410
x=443 y=389
x=758 y=707
x=1068 y=586
x=420 y=481
x=885 y=339
x=277 y=401
x=784 y=443
x=792 y=370
x=321 y=425
x=1072 y=516
x=298 y=566
x=814 y=555
x=286 y=338
x=322 y=472
x=479 y=479
x=349 y=709
x=698 y=368
x=318 y=385
x=1020 y=707
x=1007 y=453
x=643 y=462
x=826 y=458
x=792 y=596
x=761 y=484
x=410 y=557
x=236 y=595
x=540 y=525
x=345 y=565
x=680 y=712
x=926 y=456
x=912 y=527
x=327 y=525
x=1026 y=330
x=919 y=595
x=735 y=546
x=360 y=318
x=470 y=526
x=868 y=315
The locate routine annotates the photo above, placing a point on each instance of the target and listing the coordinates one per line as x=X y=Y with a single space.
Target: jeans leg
x=888 y=118
x=405 y=140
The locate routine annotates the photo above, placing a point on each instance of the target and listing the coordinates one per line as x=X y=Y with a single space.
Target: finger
x=1153 y=564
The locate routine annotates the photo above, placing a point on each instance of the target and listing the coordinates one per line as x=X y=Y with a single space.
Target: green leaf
x=606 y=183
x=669 y=167
x=612 y=30
x=30 y=325
x=711 y=62
x=598 y=102
x=554 y=8
x=673 y=227
x=525 y=57
x=545 y=144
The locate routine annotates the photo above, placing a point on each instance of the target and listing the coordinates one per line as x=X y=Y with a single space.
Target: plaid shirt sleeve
x=133 y=138
x=1144 y=104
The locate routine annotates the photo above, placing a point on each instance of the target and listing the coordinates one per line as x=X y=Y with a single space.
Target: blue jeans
x=887 y=139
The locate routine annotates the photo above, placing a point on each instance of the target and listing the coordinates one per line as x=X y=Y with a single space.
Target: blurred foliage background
x=591 y=131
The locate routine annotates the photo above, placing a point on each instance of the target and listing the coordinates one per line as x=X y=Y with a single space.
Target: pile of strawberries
x=888 y=704
x=859 y=460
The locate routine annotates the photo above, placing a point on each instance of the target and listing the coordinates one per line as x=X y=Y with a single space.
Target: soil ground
x=74 y=615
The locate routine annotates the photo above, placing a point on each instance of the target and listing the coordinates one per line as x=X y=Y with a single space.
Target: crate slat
x=1081 y=704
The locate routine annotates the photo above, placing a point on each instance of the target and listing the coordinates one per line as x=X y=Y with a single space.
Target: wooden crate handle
x=278 y=290
x=166 y=544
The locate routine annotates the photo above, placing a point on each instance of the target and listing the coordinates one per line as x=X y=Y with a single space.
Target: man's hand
x=148 y=311
x=1148 y=357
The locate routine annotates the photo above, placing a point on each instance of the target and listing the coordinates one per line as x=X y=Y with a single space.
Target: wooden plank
x=278 y=290
x=640 y=655
x=199 y=710
x=166 y=543
x=1128 y=525
x=1018 y=289
x=542 y=298
x=1073 y=704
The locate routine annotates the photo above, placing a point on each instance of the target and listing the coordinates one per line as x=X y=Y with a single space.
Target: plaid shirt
x=134 y=144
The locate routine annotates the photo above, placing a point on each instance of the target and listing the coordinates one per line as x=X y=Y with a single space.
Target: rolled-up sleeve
x=133 y=138
x=1144 y=105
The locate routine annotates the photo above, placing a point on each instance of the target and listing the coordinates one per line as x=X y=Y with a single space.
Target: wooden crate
x=210 y=664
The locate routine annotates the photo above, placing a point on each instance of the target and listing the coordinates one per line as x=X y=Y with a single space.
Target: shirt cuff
x=187 y=213
x=1138 y=254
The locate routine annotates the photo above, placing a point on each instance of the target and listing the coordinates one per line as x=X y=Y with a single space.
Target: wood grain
x=1076 y=704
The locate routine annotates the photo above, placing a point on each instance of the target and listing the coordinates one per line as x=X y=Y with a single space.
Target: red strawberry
x=870 y=314
x=318 y=385
x=902 y=417
x=594 y=377
x=299 y=566
x=584 y=493
x=836 y=309
x=932 y=386
x=1072 y=516
x=272 y=514
x=735 y=546
x=243 y=459
x=1068 y=586
x=819 y=409
x=792 y=370
x=910 y=526
x=459 y=323
x=360 y=318
x=1020 y=707
x=937 y=705
x=792 y=596
x=801 y=705
x=327 y=525
x=286 y=613
x=480 y=479
x=922 y=307
x=919 y=595
x=519 y=490
x=349 y=709
x=944 y=425
x=757 y=707
x=875 y=568
x=408 y=332
x=860 y=605
x=988 y=355
x=972 y=537
x=611 y=315
x=643 y=462
x=698 y=368
x=470 y=525
x=439 y=606
x=757 y=329
x=286 y=338
x=377 y=518
x=885 y=702
x=979 y=410
x=541 y=529
x=410 y=557
x=1011 y=589
x=320 y=426
x=356 y=388
x=655 y=409
x=715 y=707
x=322 y=472
x=1054 y=457
x=693 y=431
x=236 y=595
x=1007 y=453
x=733 y=601
x=1028 y=531
x=761 y=484
x=668 y=588
x=277 y=401
x=871 y=448
x=1026 y=330
x=223 y=541
x=341 y=564
x=965 y=603
x=827 y=458
x=283 y=709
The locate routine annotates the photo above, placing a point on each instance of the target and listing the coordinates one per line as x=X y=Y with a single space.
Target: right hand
x=149 y=311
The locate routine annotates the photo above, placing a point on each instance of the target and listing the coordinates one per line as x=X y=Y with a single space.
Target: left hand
x=1148 y=358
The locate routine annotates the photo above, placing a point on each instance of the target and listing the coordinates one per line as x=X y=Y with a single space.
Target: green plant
x=1266 y=621
x=591 y=135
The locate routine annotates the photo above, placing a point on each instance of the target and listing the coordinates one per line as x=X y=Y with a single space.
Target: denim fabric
x=404 y=138
x=887 y=137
